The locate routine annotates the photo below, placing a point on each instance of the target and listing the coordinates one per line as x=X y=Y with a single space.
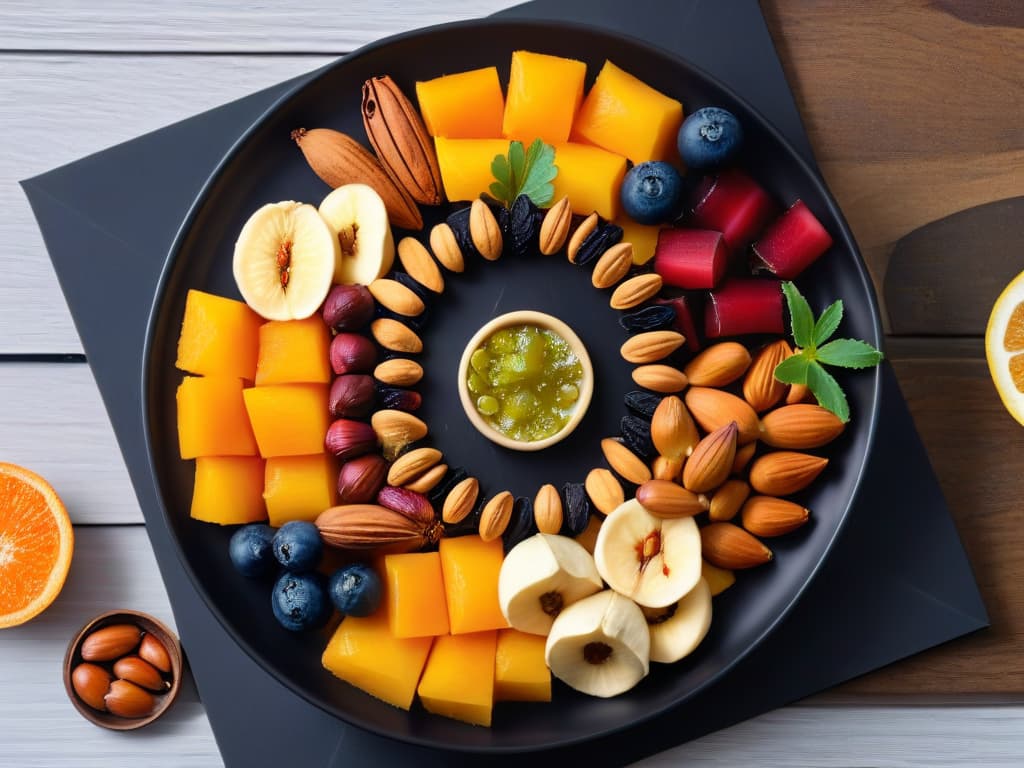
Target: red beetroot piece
x=686 y=311
x=690 y=258
x=744 y=305
x=792 y=243
x=735 y=205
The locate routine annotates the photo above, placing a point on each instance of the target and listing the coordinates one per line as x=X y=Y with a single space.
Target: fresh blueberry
x=298 y=546
x=356 y=590
x=709 y=137
x=651 y=192
x=251 y=549
x=300 y=601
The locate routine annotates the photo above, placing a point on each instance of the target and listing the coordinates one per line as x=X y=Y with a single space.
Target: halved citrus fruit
x=36 y=542
x=1004 y=346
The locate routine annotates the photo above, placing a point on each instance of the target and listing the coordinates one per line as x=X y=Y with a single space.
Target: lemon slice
x=1004 y=346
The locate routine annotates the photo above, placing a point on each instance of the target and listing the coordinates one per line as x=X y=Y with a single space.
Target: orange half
x=36 y=543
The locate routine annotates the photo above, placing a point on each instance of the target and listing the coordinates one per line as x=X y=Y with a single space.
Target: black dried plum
x=416 y=323
x=597 y=242
x=636 y=434
x=523 y=227
x=410 y=282
x=656 y=317
x=577 y=509
x=459 y=222
x=398 y=399
x=439 y=492
x=642 y=403
x=521 y=526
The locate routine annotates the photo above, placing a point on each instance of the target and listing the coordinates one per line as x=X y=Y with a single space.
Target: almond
x=718 y=365
x=484 y=230
x=126 y=699
x=728 y=499
x=153 y=651
x=784 y=472
x=604 y=490
x=446 y=248
x=91 y=682
x=636 y=291
x=395 y=336
x=547 y=509
x=663 y=498
x=373 y=526
x=713 y=408
x=760 y=387
x=110 y=642
x=711 y=461
x=767 y=516
x=554 y=229
x=672 y=429
x=626 y=463
x=729 y=546
x=395 y=430
x=460 y=501
x=339 y=159
x=142 y=673
x=665 y=468
x=398 y=372
x=392 y=295
x=411 y=465
x=744 y=454
x=660 y=378
x=651 y=346
x=419 y=264
x=613 y=265
x=426 y=482
x=583 y=231
x=800 y=427
x=495 y=516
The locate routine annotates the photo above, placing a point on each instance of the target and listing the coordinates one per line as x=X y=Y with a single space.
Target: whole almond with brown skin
x=760 y=387
x=711 y=461
x=484 y=230
x=398 y=372
x=582 y=232
x=364 y=527
x=401 y=141
x=460 y=501
x=767 y=516
x=446 y=248
x=111 y=642
x=729 y=546
x=744 y=454
x=411 y=465
x=339 y=159
x=672 y=429
x=604 y=490
x=153 y=651
x=665 y=379
x=547 y=509
x=91 y=682
x=554 y=229
x=627 y=464
x=126 y=699
x=799 y=393
x=665 y=468
x=666 y=499
x=718 y=365
x=495 y=516
x=142 y=673
x=636 y=291
x=392 y=295
x=800 y=427
x=728 y=499
x=781 y=473
x=651 y=346
x=613 y=265
x=419 y=264
x=426 y=482
x=396 y=336
x=714 y=408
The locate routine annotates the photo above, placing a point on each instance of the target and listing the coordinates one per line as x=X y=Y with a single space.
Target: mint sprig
x=525 y=172
x=815 y=351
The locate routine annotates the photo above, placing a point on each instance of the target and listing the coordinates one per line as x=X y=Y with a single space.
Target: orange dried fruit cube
x=458 y=681
x=643 y=237
x=288 y=419
x=294 y=352
x=212 y=420
x=466 y=165
x=544 y=93
x=364 y=653
x=520 y=672
x=471 y=566
x=625 y=115
x=415 y=595
x=299 y=487
x=591 y=177
x=444 y=101
x=229 y=490
x=219 y=337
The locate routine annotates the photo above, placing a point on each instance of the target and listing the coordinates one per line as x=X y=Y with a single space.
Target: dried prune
x=656 y=317
x=439 y=492
x=522 y=524
x=642 y=403
x=577 y=509
x=398 y=399
x=597 y=242
x=636 y=434
x=523 y=227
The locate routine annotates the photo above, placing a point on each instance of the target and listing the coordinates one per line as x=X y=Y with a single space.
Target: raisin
x=642 y=403
x=398 y=399
x=653 y=318
x=597 y=242
x=439 y=492
x=521 y=526
x=577 y=509
x=523 y=227
x=636 y=434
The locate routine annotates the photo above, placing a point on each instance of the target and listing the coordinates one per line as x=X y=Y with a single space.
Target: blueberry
x=709 y=137
x=251 y=549
x=300 y=601
x=651 y=192
x=356 y=590
x=298 y=546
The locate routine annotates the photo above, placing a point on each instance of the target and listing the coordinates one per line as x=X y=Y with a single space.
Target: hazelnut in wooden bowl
x=123 y=670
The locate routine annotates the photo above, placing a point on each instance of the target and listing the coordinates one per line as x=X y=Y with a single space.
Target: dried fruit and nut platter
x=504 y=394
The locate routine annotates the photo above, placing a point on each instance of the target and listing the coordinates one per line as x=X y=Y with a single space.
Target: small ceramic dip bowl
x=544 y=322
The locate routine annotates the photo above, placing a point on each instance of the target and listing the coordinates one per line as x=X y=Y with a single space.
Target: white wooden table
x=75 y=79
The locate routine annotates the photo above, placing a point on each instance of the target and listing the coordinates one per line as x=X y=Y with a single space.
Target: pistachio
x=484 y=230
x=547 y=509
x=446 y=249
x=554 y=229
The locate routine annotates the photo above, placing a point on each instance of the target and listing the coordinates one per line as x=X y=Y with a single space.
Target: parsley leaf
x=525 y=172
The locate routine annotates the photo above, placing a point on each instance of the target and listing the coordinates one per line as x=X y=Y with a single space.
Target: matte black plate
x=265 y=166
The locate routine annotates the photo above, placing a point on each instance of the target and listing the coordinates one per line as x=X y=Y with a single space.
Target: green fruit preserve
x=525 y=382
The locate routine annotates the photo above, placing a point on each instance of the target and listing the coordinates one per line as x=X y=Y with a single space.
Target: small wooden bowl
x=148 y=625
x=540 y=320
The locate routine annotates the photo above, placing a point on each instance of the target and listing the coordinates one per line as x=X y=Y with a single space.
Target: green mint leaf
x=793 y=370
x=849 y=353
x=801 y=319
x=524 y=172
x=828 y=322
x=827 y=392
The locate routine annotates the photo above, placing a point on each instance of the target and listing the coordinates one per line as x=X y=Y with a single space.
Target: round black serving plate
x=265 y=166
